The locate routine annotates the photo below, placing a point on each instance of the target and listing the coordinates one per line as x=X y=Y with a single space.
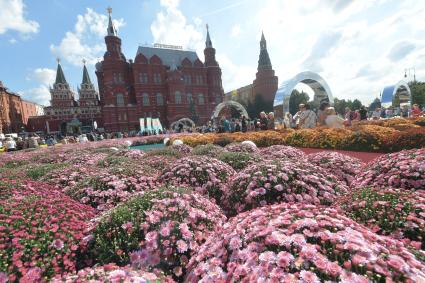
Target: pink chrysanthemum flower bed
x=207 y=175
x=182 y=148
x=404 y=169
x=282 y=152
x=210 y=150
x=111 y=273
x=160 y=229
x=301 y=243
x=287 y=181
x=40 y=233
x=342 y=166
x=106 y=190
x=394 y=212
x=241 y=147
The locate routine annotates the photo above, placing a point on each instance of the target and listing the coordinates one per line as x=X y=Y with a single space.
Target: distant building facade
x=66 y=114
x=163 y=81
x=265 y=83
x=15 y=112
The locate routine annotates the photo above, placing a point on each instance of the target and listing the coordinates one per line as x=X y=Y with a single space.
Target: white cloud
x=45 y=77
x=171 y=27
x=86 y=40
x=235 y=76
x=12 y=41
x=401 y=50
x=13 y=18
x=236 y=31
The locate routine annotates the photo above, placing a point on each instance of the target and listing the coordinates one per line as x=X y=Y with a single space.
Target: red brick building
x=65 y=114
x=14 y=111
x=265 y=83
x=163 y=81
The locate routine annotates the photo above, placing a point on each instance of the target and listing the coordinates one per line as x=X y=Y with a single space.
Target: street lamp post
x=407 y=73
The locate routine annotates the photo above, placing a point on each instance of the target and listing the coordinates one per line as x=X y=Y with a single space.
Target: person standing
x=263 y=120
x=363 y=113
x=321 y=113
x=416 y=111
x=227 y=128
x=243 y=124
x=270 y=121
x=332 y=120
x=308 y=118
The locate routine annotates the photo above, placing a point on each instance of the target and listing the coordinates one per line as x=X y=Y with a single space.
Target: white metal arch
x=390 y=91
x=315 y=81
x=229 y=103
x=186 y=122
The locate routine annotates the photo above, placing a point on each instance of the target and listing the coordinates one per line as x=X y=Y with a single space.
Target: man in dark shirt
x=363 y=113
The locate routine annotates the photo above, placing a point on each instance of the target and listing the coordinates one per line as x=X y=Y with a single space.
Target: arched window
x=159 y=99
x=146 y=101
x=189 y=98
x=201 y=99
x=120 y=99
x=178 y=97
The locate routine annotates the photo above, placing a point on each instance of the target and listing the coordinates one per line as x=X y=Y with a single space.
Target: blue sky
x=358 y=47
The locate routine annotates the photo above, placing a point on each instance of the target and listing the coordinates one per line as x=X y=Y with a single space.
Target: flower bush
x=182 y=148
x=273 y=182
x=282 y=152
x=40 y=232
x=160 y=229
x=210 y=150
x=111 y=273
x=239 y=160
x=394 y=212
x=241 y=147
x=301 y=243
x=373 y=136
x=207 y=175
x=105 y=191
x=344 y=167
x=404 y=169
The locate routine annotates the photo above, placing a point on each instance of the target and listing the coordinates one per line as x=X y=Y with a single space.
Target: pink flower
x=182 y=246
x=309 y=277
x=58 y=244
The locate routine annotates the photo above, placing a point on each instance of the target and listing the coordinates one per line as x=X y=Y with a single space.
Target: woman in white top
x=332 y=120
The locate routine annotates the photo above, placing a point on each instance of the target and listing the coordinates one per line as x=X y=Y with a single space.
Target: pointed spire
x=264 y=60
x=111 y=29
x=60 y=77
x=208 y=43
x=263 y=43
x=86 y=77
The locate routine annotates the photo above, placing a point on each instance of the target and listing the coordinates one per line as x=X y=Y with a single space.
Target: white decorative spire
x=111 y=29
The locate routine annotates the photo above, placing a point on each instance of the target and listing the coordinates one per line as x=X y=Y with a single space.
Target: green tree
x=356 y=105
x=296 y=99
x=375 y=104
x=418 y=92
x=193 y=112
x=259 y=104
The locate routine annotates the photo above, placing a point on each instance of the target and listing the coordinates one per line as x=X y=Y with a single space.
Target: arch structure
x=401 y=88
x=230 y=103
x=321 y=89
x=185 y=122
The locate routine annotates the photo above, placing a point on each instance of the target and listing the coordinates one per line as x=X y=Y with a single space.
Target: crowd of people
x=326 y=116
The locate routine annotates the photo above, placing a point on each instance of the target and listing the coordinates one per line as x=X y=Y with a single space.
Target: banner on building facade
x=149 y=123
x=142 y=124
